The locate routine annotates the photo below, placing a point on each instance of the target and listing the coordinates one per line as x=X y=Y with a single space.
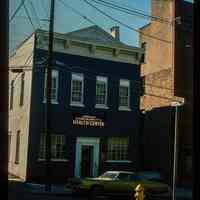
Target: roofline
x=21 y=43
x=64 y=36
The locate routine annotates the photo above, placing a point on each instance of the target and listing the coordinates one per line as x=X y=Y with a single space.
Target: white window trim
x=55 y=73
x=80 y=77
x=118 y=161
x=77 y=104
x=54 y=160
x=123 y=108
x=125 y=82
x=52 y=101
x=111 y=141
x=105 y=80
x=101 y=106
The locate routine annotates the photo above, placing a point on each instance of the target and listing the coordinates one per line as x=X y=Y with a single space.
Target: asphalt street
x=19 y=191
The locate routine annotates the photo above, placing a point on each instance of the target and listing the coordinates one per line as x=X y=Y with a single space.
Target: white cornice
x=116 y=52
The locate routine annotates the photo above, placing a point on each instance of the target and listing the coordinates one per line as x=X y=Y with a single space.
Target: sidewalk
x=184 y=193
x=34 y=188
x=55 y=189
x=181 y=193
x=62 y=190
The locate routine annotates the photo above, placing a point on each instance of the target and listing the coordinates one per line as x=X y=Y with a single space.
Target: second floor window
x=101 y=91
x=77 y=89
x=21 y=101
x=11 y=94
x=124 y=94
x=54 y=86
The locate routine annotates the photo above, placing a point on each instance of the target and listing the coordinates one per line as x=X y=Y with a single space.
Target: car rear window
x=109 y=175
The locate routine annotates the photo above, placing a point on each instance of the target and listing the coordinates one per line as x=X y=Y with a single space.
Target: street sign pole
x=175 y=104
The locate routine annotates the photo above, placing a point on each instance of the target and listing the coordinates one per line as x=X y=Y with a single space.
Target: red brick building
x=168 y=71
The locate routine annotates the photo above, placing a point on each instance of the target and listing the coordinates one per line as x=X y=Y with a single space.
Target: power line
x=125 y=25
x=35 y=13
x=28 y=15
x=89 y=20
x=77 y=12
x=43 y=6
x=139 y=11
x=40 y=19
x=91 y=75
x=131 y=11
x=17 y=10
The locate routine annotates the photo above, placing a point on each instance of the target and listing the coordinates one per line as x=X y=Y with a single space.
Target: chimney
x=115 y=32
x=161 y=8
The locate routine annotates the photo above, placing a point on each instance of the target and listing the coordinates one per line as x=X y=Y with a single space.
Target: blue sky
x=67 y=20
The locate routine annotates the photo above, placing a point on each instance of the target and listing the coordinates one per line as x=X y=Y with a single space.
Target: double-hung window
x=124 y=95
x=118 y=149
x=11 y=94
x=54 y=86
x=17 y=149
x=101 y=91
x=9 y=145
x=21 y=101
x=58 y=147
x=77 y=87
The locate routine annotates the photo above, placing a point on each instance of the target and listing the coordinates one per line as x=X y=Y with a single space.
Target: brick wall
x=170 y=67
x=157 y=89
x=158 y=54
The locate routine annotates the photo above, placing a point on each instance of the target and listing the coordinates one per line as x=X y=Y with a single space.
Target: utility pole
x=48 y=99
x=4 y=39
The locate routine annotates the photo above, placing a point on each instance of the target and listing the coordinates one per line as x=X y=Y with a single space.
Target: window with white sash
x=101 y=91
x=77 y=88
x=58 y=147
x=124 y=94
x=117 y=149
x=54 y=86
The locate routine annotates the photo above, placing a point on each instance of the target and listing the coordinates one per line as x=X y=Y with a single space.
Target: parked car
x=152 y=176
x=117 y=183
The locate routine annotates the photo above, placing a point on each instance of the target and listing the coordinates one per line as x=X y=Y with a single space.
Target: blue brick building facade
x=95 y=118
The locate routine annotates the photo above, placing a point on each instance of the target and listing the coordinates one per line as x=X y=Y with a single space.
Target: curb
x=49 y=193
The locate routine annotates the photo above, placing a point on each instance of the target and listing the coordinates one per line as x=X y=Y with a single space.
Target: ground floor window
x=118 y=148
x=17 y=152
x=188 y=164
x=58 y=147
x=9 y=145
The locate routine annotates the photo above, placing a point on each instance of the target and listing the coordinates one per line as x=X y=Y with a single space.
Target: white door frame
x=91 y=141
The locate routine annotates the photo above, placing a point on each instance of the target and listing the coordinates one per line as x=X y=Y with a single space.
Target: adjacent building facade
x=95 y=96
x=168 y=72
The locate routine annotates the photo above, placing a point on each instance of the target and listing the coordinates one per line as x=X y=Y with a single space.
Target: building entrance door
x=87 y=157
x=87 y=161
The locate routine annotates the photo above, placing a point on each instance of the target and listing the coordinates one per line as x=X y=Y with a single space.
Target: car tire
x=95 y=192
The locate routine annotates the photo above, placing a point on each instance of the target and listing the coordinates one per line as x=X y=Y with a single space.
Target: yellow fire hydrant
x=139 y=192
